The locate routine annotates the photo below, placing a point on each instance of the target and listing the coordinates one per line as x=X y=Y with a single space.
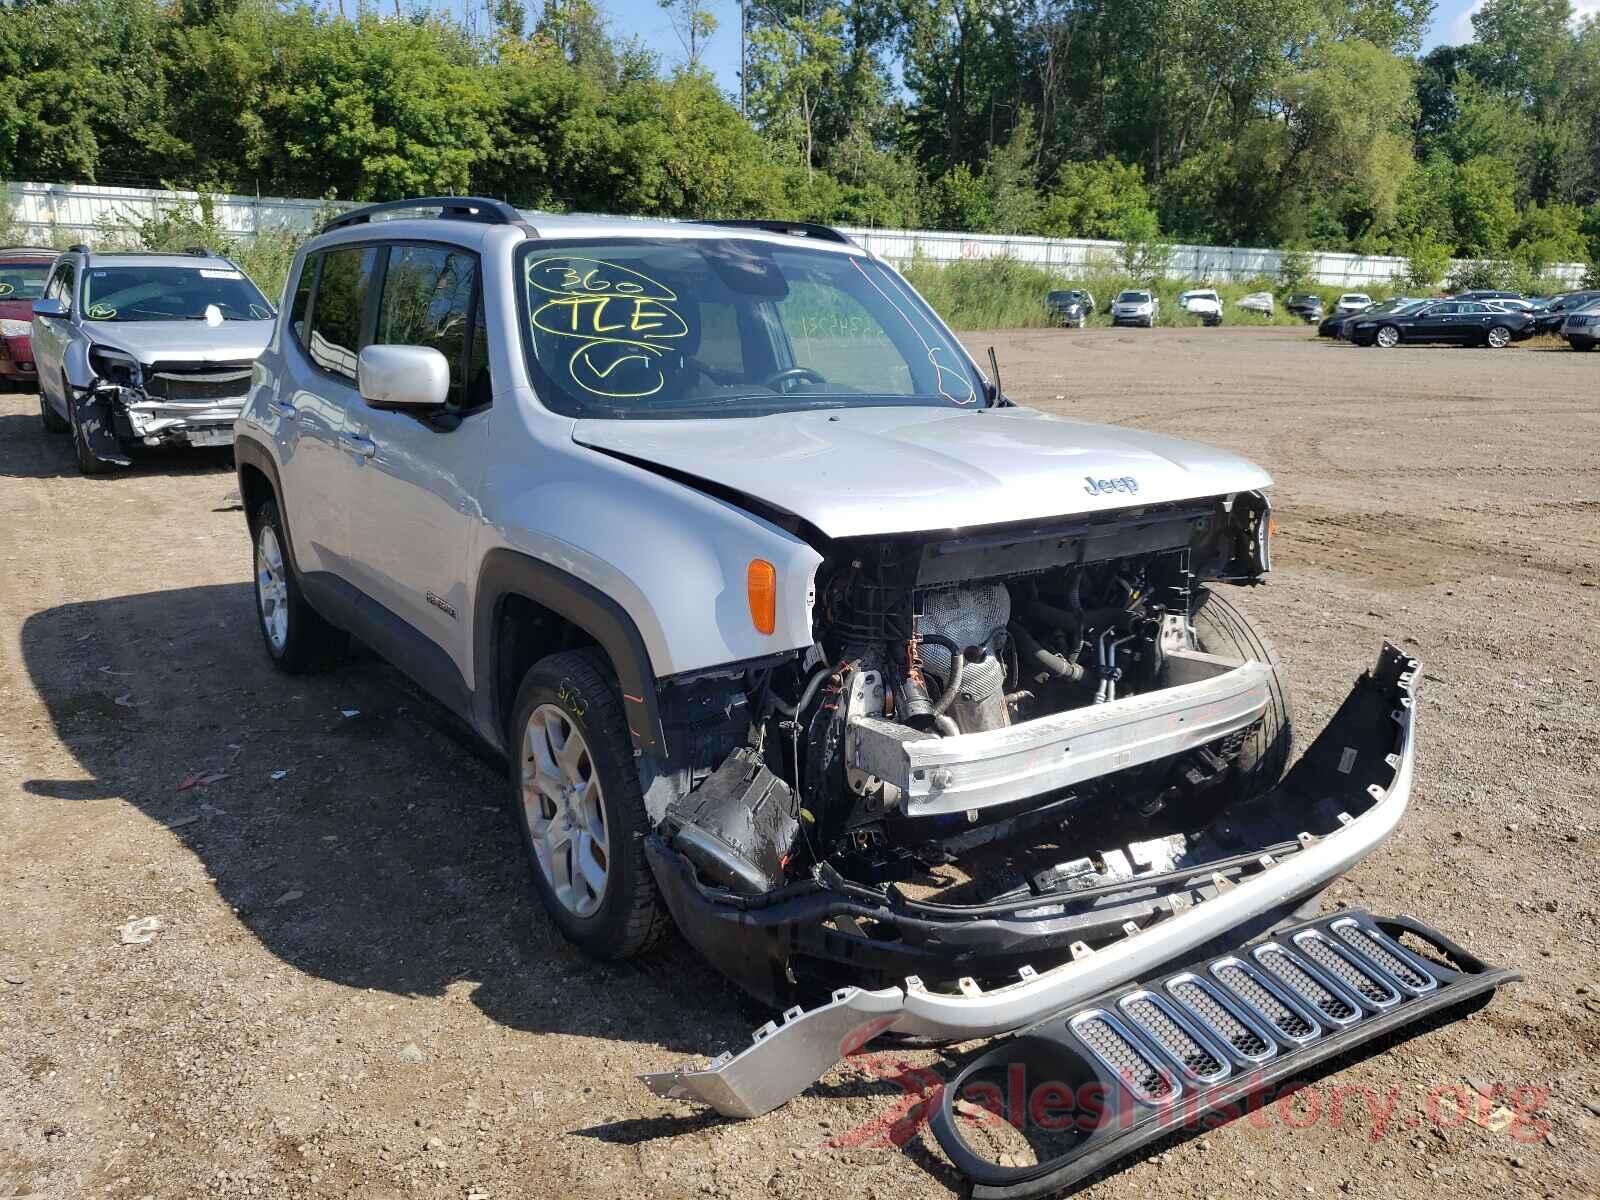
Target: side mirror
x=49 y=308
x=403 y=377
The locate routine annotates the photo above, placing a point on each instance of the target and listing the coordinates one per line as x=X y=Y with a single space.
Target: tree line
x=1249 y=122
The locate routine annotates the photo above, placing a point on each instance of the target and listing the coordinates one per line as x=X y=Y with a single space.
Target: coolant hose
x=806 y=696
x=1046 y=661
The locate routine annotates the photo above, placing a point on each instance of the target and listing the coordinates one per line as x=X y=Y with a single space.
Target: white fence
x=80 y=211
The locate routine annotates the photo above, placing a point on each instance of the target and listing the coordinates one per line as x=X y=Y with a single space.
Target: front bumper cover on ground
x=1347 y=792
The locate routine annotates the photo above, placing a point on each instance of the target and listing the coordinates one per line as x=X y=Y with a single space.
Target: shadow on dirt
x=351 y=825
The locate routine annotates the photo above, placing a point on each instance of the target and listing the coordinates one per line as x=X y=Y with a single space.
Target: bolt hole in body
x=562 y=805
x=272 y=588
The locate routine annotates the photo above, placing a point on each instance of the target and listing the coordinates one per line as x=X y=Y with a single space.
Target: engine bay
x=992 y=717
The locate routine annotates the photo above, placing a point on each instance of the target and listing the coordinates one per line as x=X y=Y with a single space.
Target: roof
x=125 y=258
x=27 y=253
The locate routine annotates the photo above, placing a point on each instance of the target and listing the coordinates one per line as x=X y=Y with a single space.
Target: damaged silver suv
x=136 y=349
x=903 y=702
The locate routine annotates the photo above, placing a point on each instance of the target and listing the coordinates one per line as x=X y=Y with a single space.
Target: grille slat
x=1366 y=983
x=1208 y=1007
x=1295 y=976
x=1127 y=1061
x=1166 y=1029
x=1289 y=1021
x=1376 y=948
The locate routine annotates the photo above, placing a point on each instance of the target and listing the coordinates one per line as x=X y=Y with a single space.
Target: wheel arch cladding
x=258 y=483
x=516 y=591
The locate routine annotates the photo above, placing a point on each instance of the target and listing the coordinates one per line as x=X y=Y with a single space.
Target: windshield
x=171 y=294
x=1133 y=297
x=23 y=281
x=648 y=328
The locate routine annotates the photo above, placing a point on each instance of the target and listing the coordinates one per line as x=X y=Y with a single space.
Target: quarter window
x=428 y=300
x=301 y=305
x=336 y=318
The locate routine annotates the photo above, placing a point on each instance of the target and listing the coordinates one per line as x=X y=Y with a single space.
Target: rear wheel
x=575 y=792
x=1498 y=337
x=299 y=640
x=1220 y=627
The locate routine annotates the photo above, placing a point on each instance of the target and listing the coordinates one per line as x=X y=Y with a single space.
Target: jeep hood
x=183 y=341
x=860 y=471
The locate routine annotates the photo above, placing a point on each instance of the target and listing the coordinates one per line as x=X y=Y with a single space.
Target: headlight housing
x=114 y=366
x=9 y=328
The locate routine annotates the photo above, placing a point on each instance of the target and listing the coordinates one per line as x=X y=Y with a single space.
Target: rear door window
x=336 y=317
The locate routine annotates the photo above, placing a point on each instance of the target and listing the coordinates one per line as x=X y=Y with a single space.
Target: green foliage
x=1101 y=199
x=1427 y=262
x=1294 y=271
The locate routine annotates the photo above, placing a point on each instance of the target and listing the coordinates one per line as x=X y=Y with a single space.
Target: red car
x=23 y=271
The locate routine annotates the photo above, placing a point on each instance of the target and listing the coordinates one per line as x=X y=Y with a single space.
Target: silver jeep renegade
x=915 y=710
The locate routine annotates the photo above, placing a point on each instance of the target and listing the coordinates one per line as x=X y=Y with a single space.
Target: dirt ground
x=351 y=995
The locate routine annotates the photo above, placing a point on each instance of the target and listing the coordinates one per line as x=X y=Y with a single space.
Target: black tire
x=52 y=421
x=88 y=464
x=1221 y=628
x=630 y=917
x=310 y=642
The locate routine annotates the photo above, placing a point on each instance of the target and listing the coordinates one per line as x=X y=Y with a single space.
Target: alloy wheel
x=1388 y=337
x=564 y=809
x=1499 y=337
x=272 y=588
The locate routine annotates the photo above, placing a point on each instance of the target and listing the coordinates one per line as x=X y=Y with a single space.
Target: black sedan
x=1549 y=317
x=1461 y=322
x=1337 y=325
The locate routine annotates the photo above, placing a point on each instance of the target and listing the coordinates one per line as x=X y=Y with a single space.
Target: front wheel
x=50 y=418
x=88 y=463
x=299 y=640
x=1498 y=338
x=1387 y=337
x=1222 y=628
x=575 y=791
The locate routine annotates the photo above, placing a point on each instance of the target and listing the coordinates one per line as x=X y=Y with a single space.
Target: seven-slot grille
x=1300 y=980
x=1208 y=1007
x=1239 y=1011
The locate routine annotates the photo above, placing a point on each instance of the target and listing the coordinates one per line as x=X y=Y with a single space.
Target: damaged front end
x=1019 y=767
x=157 y=404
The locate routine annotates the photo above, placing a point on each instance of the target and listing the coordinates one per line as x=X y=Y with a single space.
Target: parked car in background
x=1071 y=307
x=1550 y=318
x=1307 y=306
x=23 y=272
x=1509 y=304
x=1487 y=294
x=1462 y=322
x=1135 y=307
x=1258 y=302
x=1203 y=303
x=1336 y=324
x=145 y=349
x=1582 y=327
x=1352 y=302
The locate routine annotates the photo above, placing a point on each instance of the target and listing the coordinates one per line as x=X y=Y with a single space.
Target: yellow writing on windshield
x=624 y=320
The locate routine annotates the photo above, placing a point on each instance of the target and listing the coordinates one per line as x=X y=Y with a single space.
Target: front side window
x=428 y=300
x=336 y=317
x=22 y=280
x=664 y=327
x=171 y=293
x=60 y=285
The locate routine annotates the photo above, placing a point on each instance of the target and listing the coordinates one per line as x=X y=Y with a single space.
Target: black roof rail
x=451 y=208
x=78 y=248
x=198 y=251
x=807 y=229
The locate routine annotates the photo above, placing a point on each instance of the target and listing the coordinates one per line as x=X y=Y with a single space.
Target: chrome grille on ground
x=1402 y=967
x=1364 y=981
x=1207 y=1006
x=1128 y=1061
x=1293 y=975
x=1288 y=1021
x=1164 y=1027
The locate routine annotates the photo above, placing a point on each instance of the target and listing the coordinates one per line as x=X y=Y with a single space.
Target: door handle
x=361 y=447
x=284 y=409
